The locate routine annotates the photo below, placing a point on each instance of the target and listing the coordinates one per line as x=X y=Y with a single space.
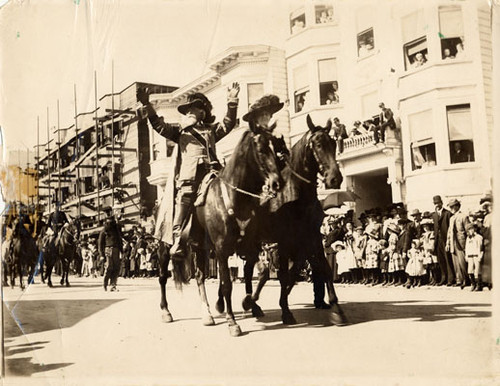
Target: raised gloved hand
x=143 y=95
x=232 y=92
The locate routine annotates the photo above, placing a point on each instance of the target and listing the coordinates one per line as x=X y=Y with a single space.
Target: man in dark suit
x=339 y=134
x=455 y=244
x=441 y=218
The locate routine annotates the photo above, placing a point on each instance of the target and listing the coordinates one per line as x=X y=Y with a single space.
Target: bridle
x=265 y=195
x=319 y=162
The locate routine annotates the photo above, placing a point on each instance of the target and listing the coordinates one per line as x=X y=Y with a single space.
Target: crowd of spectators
x=388 y=247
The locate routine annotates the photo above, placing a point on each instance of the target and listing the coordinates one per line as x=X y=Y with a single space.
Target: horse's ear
x=310 y=124
x=328 y=125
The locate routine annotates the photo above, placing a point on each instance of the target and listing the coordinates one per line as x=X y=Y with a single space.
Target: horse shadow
x=50 y=314
x=24 y=367
x=364 y=312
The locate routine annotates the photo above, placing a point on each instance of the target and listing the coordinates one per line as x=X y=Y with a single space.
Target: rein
x=316 y=158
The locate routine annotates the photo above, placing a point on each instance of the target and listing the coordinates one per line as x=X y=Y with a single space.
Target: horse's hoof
x=257 y=312
x=208 y=320
x=288 y=319
x=166 y=317
x=50 y=284
x=247 y=302
x=68 y=285
x=219 y=306
x=61 y=282
x=338 y=319
x=235 y=330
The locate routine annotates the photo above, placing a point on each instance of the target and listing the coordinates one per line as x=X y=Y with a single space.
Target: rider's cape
x=165 y=216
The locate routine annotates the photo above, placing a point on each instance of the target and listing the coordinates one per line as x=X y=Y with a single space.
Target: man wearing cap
x=455 y=242
x=110 y=247
x=339 y=134
x=196 y=138
x=441 y=219
x=57 y=220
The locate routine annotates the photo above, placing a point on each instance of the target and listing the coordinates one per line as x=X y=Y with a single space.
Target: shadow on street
x=363 y=312
x=50 y=314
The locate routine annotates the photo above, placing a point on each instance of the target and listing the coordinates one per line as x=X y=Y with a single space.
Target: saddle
x=201 y=193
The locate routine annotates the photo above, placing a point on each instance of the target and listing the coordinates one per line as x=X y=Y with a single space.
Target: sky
x=48 y=46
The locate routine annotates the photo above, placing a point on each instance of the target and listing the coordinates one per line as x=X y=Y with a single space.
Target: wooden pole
x=77 y=153
x=48 y=161
x=97 y=151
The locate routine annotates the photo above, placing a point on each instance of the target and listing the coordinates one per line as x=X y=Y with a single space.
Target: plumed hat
x=269 y=103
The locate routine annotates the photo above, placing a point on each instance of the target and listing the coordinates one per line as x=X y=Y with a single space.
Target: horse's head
x=265 y=159
x=323 y=148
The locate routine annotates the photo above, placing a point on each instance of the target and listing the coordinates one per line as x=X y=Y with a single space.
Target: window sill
x=441 y=62
x=443 y=168
x=321 y=107
x=312 y=27
x=371 y=54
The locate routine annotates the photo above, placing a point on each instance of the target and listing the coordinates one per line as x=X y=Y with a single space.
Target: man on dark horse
x=57 y=220
x=196 y=137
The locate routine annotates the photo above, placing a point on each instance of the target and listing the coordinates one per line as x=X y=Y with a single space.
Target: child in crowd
x=358 y=248
x=372 y=253
x=396 y=262
x=415 y=267
x=94 y=257
x=384 y=261
x=343 y=268
x=149 y=263
x=474 y=256
x=143 y=263
x=430 y=258
x=86 y=259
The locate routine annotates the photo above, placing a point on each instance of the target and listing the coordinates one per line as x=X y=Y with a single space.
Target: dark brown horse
x=294 y=223
x=23 y=254
x=64 y=251
x=249 y=179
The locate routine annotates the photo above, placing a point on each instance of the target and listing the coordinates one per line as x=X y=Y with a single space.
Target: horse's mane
x=237 y=155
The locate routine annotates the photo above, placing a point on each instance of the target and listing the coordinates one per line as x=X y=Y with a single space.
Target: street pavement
x=83 y=335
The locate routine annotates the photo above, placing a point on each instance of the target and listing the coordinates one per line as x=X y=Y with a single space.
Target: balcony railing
x=358 y=142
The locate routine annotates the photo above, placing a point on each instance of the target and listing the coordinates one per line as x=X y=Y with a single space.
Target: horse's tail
x=181 y=268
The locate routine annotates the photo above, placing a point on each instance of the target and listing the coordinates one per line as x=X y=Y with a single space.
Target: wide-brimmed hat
x=415 y=212
x=427 y=221
x=393 y=228
x=270 y=103
x=357 y=123
x=338 y=243
x=427 y=214
x=453 y=202
x=486 y=198
x=198 y=100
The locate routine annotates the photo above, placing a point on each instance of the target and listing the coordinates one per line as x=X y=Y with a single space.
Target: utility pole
x=37 y=161
x=97 y=150
x=48 y=160
x=112 y=135
x=59 y=193
x=77 y=153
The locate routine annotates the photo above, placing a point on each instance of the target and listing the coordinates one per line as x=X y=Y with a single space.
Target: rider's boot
x=181 y=215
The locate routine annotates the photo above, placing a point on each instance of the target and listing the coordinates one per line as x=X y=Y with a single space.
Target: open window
x=328 y=83
x=414 y=40
x=460 y=133
x=324 y=14
x=366 y=43
x=301 y=88
x=422 y=144
x=451 y=32
x=297 y=21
